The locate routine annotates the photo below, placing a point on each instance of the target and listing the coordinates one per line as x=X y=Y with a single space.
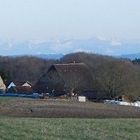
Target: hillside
x=111 y=76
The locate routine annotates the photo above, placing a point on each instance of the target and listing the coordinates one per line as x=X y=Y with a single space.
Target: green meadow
x=12 y=128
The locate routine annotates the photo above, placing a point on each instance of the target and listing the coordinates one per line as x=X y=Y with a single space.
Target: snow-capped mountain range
x=65 y=46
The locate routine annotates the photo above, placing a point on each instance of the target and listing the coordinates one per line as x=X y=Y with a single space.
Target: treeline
x=25 y=68
x=111 y=77
x=136 y=61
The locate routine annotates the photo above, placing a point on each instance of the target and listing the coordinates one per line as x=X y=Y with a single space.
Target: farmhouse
x=72 y=78
x=14 y=84
x=2 y=86
x=20 y=87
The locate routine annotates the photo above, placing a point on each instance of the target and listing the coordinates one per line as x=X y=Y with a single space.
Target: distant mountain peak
x=64 y=46
x=131 y=56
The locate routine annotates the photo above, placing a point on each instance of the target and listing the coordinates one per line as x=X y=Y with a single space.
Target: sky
x=41 y=20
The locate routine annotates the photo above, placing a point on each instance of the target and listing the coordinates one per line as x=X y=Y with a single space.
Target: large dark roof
x=74 y=72
x=64 y=76
x=71 y=67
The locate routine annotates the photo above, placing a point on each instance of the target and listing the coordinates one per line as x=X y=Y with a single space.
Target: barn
x=72 y=78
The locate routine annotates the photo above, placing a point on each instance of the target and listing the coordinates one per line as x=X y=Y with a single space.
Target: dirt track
x=62 y=108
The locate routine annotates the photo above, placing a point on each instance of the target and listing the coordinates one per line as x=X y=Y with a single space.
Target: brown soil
x=65 y=109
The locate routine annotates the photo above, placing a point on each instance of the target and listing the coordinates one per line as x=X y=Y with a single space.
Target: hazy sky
x=45 y=19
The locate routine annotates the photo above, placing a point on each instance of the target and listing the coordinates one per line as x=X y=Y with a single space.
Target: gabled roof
x=79 y=72
x=27 y=83
x=71 y=67
x=15 y=83
x=21 y=83
x=64 y=76
x=2 y=85
x=12 y=84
